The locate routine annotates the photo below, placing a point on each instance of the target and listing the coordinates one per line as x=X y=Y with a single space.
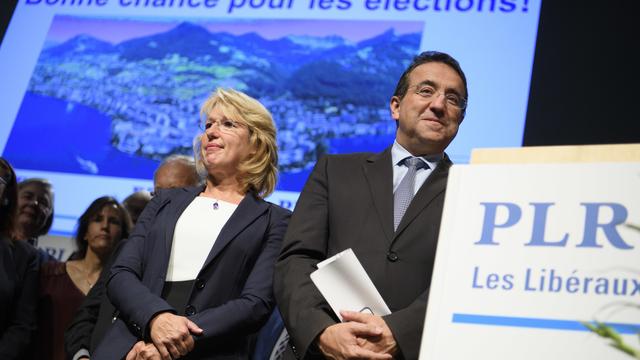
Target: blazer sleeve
x=303 y=308
x=134 y=300
x=21 y=327
x=251 y=309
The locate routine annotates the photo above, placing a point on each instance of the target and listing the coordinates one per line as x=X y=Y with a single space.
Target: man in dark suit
x=387 y=209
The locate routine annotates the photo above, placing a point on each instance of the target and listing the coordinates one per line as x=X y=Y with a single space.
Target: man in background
x=35 y=214
x=96 y=312
x=176 y=171
x=135 y=203
x=386 y=207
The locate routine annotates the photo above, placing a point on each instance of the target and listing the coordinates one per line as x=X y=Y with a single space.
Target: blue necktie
x=404 y=193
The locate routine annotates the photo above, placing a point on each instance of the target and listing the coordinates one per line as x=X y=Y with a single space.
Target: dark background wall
x=6 y=9
x=585 y=73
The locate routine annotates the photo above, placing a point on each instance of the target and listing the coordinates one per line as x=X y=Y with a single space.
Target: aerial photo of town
x=135 y=99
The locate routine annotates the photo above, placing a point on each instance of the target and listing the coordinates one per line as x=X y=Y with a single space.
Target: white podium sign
x=527 y=254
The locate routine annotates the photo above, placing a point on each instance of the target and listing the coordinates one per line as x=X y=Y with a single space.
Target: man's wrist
x=314 y=350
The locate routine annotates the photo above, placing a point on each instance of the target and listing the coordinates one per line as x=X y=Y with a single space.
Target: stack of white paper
x=346 y=286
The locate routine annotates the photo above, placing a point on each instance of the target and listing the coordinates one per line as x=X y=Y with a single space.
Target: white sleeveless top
x=196 y=231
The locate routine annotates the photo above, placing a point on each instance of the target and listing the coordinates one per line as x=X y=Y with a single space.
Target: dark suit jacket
x=18 y=297
x=348 y=203
x=232 y=295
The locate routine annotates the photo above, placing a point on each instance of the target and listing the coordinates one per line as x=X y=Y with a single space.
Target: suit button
x=136 y=327
x=115 y=315
x=391 y=256
x=190 y=310
x=199 y=284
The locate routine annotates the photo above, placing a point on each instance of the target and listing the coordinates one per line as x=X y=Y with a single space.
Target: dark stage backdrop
x=584 y=88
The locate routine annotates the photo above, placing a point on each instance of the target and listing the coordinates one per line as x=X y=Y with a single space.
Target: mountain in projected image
x=321 y=90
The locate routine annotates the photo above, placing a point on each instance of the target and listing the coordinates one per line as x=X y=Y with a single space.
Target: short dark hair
x=94 y=209
x=9 y=201
x=187 y=161
x=426 y=57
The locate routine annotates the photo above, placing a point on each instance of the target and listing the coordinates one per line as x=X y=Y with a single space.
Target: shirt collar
x=399 y=153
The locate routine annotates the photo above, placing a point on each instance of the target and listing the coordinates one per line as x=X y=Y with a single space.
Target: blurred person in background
x=176 y=171
x=18 y=275
x=35 y=213
x=63 y=285
x=135 y=203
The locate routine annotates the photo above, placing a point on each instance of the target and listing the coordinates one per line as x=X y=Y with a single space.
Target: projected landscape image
x=114 y=103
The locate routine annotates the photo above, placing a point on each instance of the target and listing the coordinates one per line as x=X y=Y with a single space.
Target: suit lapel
x=378 y=171
x=432 y=187
x=247 y=211
x=180 y=205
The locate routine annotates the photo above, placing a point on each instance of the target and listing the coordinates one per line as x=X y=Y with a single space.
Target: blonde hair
x=258 y=172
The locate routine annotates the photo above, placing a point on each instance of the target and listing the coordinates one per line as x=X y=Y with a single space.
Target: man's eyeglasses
x=225 y=125
x=429 y=92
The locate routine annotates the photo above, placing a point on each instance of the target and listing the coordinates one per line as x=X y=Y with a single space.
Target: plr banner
x=529 y=255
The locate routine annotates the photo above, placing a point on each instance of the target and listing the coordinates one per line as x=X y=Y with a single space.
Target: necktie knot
x=415 y=163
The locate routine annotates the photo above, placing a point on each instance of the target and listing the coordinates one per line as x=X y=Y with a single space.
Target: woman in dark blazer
x=195 y=278
x=18 y=275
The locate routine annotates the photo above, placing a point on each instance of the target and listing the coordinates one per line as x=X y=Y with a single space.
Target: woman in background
x=63 y=285
x=18 y=275
x=195 y=277
x=35 y=213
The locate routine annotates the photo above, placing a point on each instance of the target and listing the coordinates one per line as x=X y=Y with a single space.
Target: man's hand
x=171 y=335
x=384 y=343
x=133 y=353
x=142 y=351
x=340 y=341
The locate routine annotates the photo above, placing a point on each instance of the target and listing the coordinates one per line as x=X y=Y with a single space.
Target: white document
x=346 y=286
